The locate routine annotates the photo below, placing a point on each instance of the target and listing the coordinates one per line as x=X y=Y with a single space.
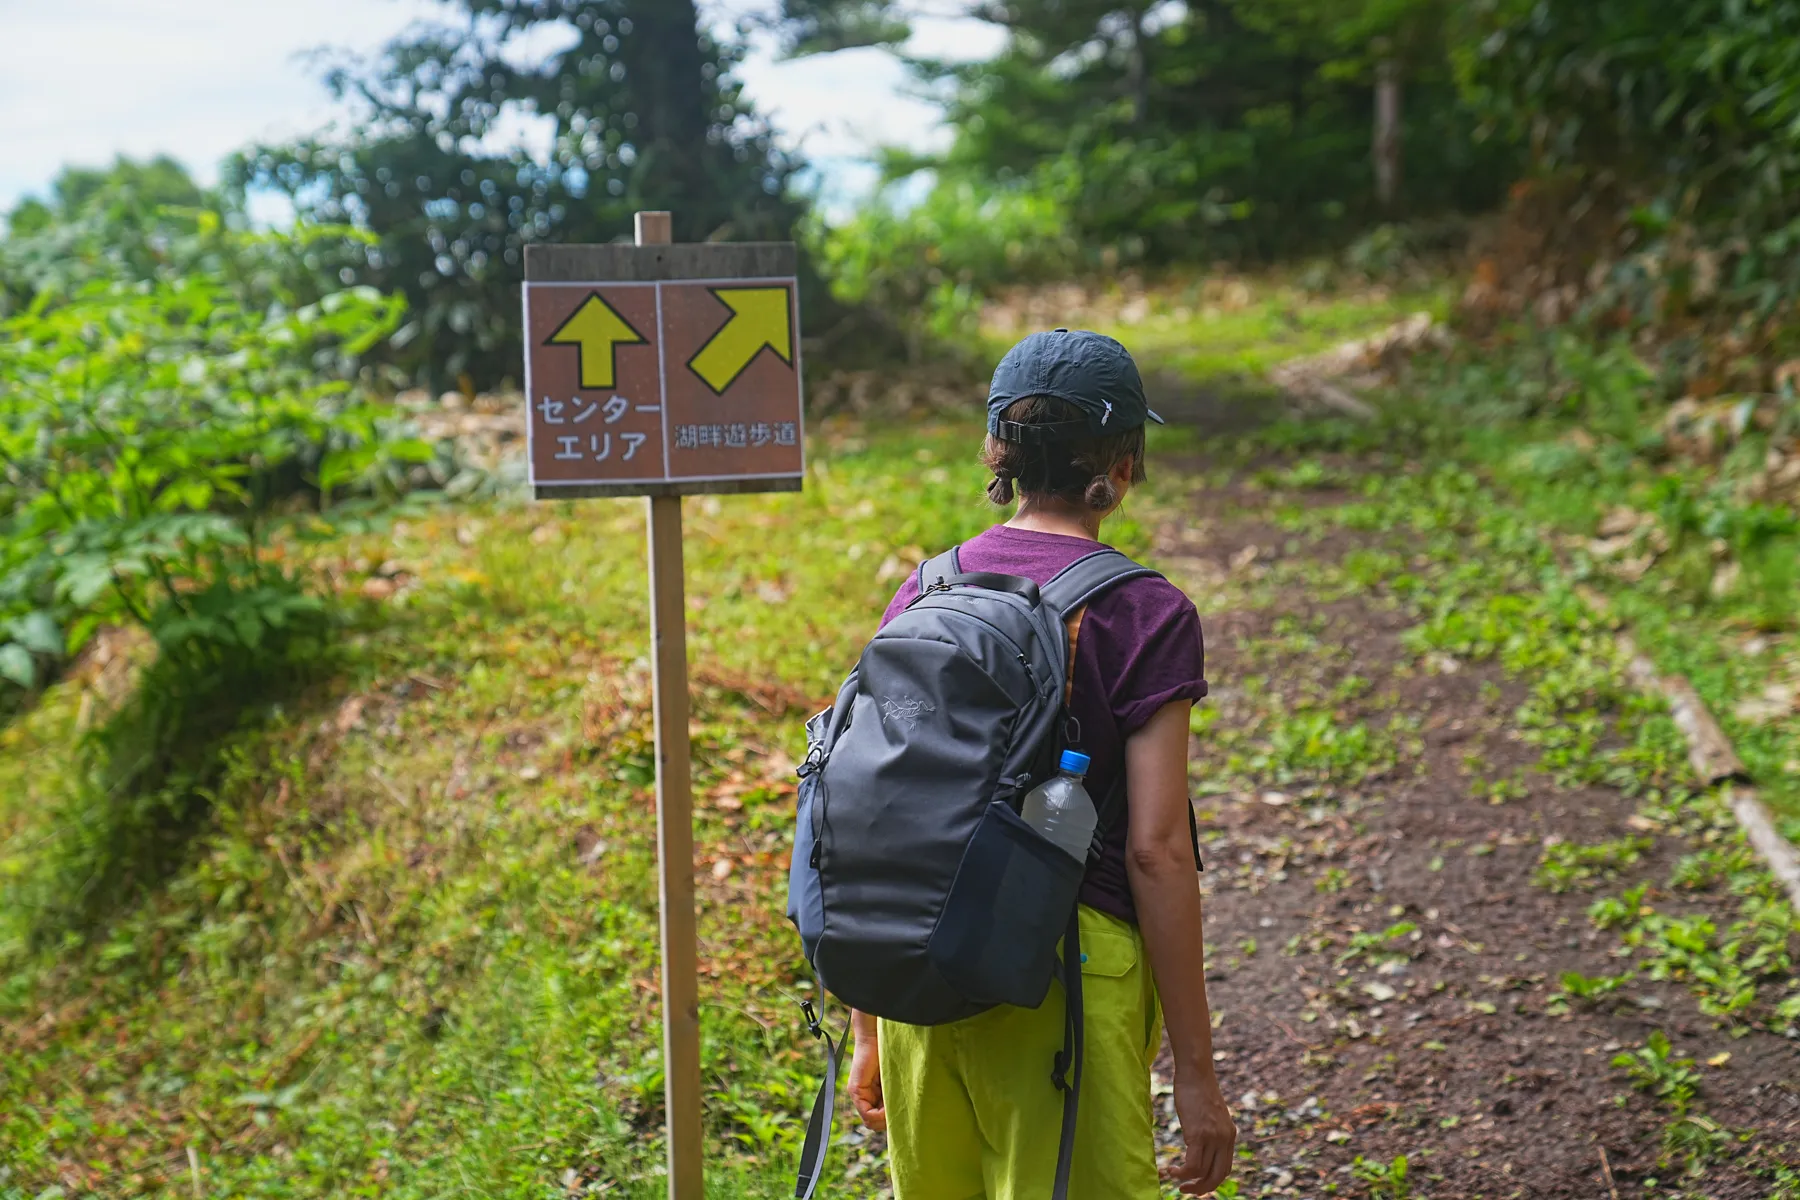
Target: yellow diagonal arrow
x=760 y=316
x=597 y=332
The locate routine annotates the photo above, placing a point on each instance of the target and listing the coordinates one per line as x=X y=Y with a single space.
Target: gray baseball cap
x=1089 y=370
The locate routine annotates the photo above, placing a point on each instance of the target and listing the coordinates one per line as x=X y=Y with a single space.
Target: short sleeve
x=909 y=591
x=1153 y=632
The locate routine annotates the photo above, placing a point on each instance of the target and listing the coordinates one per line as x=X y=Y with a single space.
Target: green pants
x=970 y=1107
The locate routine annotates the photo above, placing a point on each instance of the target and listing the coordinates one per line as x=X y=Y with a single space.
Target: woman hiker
x=964 y=1105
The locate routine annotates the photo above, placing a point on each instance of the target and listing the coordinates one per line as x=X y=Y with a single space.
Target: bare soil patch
x=1436 y=1043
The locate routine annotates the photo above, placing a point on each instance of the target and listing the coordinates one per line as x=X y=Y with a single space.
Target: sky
x=196 y=79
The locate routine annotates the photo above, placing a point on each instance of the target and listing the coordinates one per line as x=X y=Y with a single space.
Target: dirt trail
x=1399 y=998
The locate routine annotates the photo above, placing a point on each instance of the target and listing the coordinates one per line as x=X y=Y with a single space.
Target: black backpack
x=919 y=892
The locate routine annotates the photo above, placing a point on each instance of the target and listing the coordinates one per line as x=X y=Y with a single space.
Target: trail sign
x=759 y=319
x=662 y=369
x=596 y=331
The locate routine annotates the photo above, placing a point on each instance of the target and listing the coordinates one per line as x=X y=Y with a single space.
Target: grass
x=1560 y=433
x=1222 y=339
x=1483 y=585
x=411 y=952
x=1223 y=329
x=1566 y=434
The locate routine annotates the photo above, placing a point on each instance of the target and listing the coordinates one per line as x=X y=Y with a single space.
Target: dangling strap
x=1067 y=1073
x=818 y=1126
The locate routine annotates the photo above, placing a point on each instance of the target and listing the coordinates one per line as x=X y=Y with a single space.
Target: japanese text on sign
x=663 y=381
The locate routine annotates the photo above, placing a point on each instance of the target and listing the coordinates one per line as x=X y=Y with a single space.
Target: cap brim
x=1151 y=413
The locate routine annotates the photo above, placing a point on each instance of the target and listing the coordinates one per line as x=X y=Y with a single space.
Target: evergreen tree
x=642 y=111
x=1210 y=128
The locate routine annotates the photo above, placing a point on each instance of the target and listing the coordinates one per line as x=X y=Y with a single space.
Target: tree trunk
x=663 y=59
x=1137 y=70
x=666 y=66
x=1387 y=133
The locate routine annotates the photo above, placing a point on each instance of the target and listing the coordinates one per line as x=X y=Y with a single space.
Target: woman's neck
x=1068 y=523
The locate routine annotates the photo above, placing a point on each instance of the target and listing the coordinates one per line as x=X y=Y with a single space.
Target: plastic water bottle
x=1060 y=808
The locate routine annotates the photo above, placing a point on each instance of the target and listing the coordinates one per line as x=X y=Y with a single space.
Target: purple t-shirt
x=1138 y=648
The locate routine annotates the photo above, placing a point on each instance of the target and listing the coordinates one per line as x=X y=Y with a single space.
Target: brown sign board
x=662 y=370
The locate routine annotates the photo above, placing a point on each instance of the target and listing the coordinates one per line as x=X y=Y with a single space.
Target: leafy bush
x=144 y=429
x=152 y=435
x=1281 y=179
x=120 y=223
x=928 y=264
x=1666 y=137
x=1700 y=95
x=150 y=222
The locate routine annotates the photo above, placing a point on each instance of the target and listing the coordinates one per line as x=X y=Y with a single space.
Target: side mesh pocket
x=995 y=941
x=806 y=899
x=806 y=902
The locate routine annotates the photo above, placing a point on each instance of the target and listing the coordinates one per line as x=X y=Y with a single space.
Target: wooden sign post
x=666 y=370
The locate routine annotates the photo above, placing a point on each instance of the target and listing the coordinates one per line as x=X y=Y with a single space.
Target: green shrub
x=1700 y=96
x=146 y=429
x=928 y=265
x=152 y=433
x=1678 y=125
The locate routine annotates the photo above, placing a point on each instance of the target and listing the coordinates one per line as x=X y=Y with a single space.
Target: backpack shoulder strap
x=1088 y=577
x=940 y=566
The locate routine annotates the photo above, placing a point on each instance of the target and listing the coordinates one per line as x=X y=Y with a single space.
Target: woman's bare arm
x=864 y=1084
x=1160 y=863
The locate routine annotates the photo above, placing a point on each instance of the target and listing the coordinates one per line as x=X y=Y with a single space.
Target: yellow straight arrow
x=597 y=332
x=760 y=316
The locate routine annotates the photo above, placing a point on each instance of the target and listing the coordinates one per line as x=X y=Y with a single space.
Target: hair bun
x=1078 y=472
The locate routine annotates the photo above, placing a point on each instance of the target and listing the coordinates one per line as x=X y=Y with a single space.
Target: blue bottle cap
x=1074 y=762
